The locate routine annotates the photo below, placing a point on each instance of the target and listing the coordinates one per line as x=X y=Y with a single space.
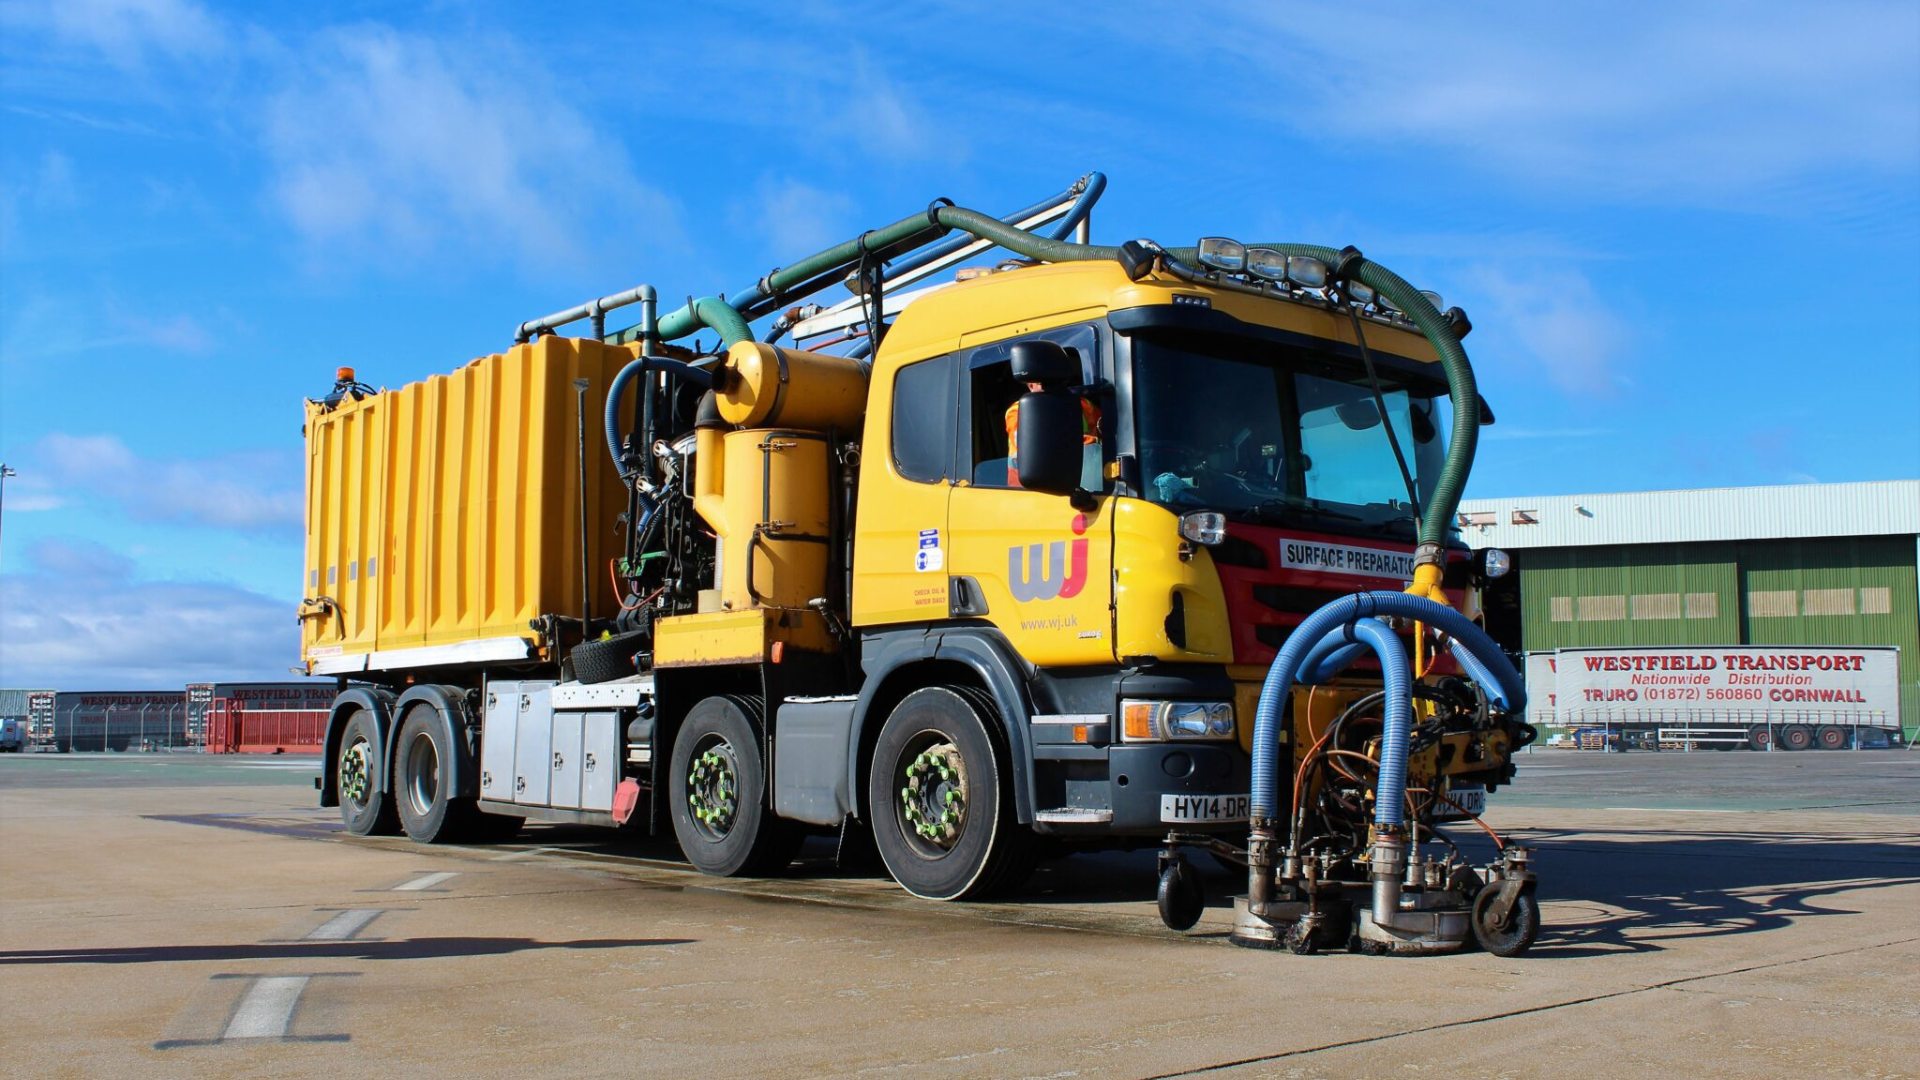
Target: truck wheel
x=1796 y=737
x=1759 y=736
x=363 y=809
x=717 y=790
x=941 y=806
x=1832 y=737
x=423 y=783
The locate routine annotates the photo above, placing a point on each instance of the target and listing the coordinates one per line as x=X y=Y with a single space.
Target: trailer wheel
x=1510 y=936
x=717 y=790
x=1832 y=737
x=941 y=805
x=1759 y=736
x=1796 y=737
x=363 y=809
x=423 y=779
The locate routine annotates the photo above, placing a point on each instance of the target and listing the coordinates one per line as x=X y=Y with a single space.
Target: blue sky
x=1686 y=232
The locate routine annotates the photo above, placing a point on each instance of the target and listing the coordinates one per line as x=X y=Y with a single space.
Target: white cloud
x=1699 y=101
x=1551 y=321
x=256 y=491
x=81 y=618
x=402 y=145
x=126 y=32
x=796 y=217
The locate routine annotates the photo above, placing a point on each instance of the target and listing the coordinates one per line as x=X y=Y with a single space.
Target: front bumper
x=1116 y=790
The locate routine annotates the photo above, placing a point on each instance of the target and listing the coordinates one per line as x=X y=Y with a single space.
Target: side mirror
x=1045 y=362
x=1050 y=433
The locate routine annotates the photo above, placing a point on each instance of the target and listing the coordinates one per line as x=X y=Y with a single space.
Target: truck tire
x=359 y=770
x=941 y=801
x=717 y=793
x=1796 y=737
x=1759 y=736
x=423 y=781
x=1831 y=737
x=608 y=658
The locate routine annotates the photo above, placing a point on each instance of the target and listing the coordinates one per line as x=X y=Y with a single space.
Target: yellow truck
x=941 y=570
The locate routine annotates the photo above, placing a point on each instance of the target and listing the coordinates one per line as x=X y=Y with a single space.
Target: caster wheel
x=1182 y=897
x=1510 y=936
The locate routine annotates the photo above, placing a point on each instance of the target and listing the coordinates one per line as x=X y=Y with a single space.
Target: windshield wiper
x=1289 y=506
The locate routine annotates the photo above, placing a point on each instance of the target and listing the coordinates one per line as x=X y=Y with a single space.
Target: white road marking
x=527 y=853
x=424 y=881
x=344 y=925
x=266 y=1010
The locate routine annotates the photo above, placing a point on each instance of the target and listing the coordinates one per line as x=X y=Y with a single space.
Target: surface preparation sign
x=1298 y=554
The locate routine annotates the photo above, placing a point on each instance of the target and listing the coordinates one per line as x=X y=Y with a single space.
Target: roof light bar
x=1222 y=254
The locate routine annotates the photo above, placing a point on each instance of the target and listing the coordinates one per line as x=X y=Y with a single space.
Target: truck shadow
x=400 y=949
x=1644 y=889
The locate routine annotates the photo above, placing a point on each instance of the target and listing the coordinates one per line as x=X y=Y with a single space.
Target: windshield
x=1271 y=433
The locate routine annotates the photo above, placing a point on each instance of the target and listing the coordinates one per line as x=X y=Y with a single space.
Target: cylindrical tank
x=775 y=543
x=766 y=385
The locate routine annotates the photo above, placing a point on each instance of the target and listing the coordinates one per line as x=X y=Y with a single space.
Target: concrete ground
x=1707 y=915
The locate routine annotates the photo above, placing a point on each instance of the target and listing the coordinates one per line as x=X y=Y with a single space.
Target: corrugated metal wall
x=1841 y=591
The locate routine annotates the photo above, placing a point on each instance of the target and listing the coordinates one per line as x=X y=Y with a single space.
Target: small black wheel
x=1796 y=737
x=1182 y=895
x=717 y=791
x=608 y=658
x=423 y=782
x=1510 y=936
x=941 y=803
x=364 y=810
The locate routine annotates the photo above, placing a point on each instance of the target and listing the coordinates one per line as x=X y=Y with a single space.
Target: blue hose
x=698 y=376
x=1489 y=667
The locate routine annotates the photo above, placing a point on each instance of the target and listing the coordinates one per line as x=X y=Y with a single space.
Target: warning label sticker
x=929 y=558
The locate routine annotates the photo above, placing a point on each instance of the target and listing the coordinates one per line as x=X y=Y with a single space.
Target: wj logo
x=1049 y=571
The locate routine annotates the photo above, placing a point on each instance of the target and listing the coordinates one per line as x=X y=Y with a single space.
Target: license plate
x=1178 y=808
x=1471 y=799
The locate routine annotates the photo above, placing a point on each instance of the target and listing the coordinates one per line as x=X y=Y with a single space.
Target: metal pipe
x=591 y=309
x=580 y=448
x=1092 y=186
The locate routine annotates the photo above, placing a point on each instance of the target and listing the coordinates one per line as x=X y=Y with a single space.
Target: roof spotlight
x=1433 y=298
x=1361 y=293
x=1266 y=263
x=1311 y=273
x=1222 y=254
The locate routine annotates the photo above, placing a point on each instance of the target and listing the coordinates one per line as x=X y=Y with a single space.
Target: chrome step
x=1074 y=815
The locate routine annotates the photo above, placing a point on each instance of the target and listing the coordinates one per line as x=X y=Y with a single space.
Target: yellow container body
x=448 y=511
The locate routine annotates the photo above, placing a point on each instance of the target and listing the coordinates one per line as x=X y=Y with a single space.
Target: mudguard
x=375 y=700
x=999 y=669
x=449 y=704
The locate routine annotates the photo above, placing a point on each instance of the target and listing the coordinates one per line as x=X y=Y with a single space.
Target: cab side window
x=923 y=417
x=992 y=393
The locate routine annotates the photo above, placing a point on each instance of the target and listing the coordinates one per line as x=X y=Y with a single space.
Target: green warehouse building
x=1810 y=566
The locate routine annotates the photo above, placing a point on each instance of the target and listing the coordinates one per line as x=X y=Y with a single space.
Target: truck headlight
x=1494 y=563
x=1159 y=721
x=1204 y=526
